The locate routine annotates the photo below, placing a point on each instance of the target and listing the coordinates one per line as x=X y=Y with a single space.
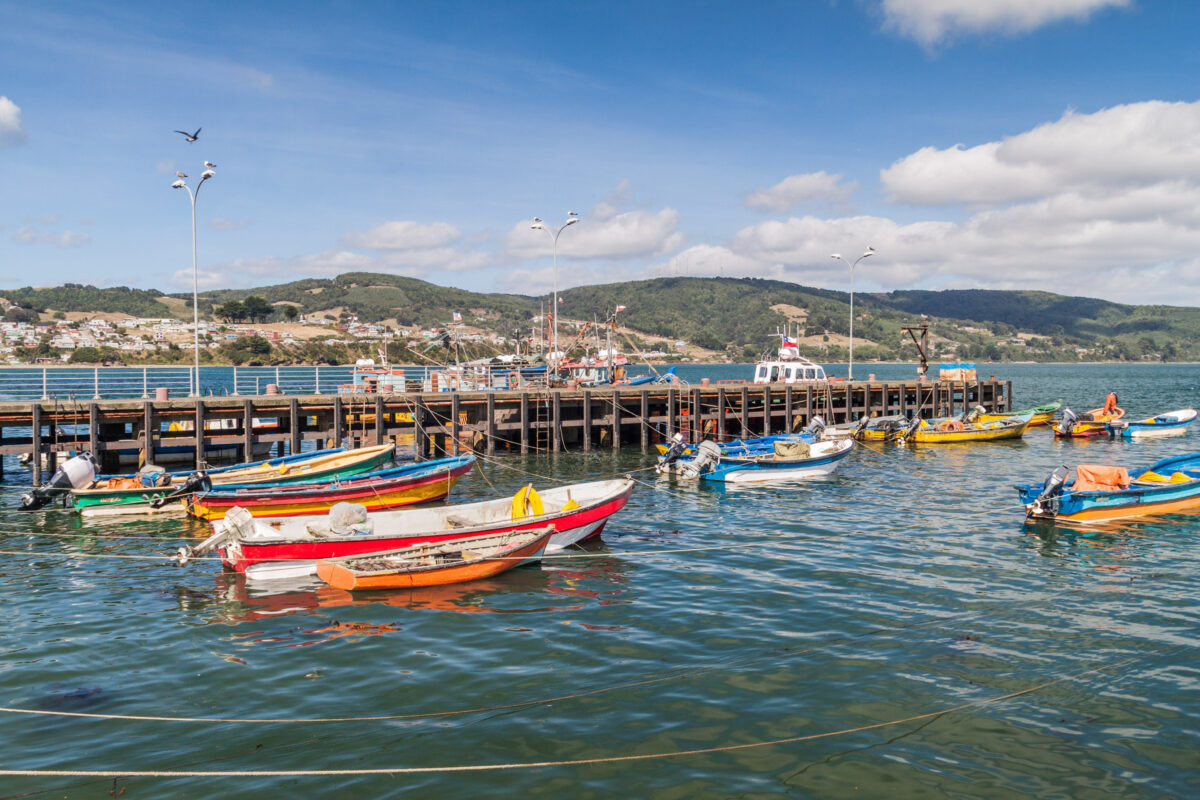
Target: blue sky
x=1050 y=144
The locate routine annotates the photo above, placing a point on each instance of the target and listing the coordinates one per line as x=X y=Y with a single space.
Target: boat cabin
x=788 y=367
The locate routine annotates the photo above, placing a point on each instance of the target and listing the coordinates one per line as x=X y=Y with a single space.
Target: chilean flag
x=790 y=342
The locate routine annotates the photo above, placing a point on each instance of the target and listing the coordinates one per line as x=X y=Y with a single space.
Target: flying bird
x=210 y=164
x=191 y=137
x=180 y=175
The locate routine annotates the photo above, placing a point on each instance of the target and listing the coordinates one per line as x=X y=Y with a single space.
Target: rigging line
x=459 y=768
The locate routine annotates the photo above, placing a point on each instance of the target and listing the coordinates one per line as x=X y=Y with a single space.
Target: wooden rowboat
x=1171 y=423
x=377 y=491
x=1101 y=493
x=578 y=511
x=1042 y=415
x=103 y=497
x=1093 y=423
x=952 y=431
x=437 y=563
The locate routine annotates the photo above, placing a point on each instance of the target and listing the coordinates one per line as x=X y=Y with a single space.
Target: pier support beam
x=587 y=421
x=148 y=433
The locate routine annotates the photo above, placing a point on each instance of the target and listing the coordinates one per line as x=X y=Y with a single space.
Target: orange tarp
x=1099 y=478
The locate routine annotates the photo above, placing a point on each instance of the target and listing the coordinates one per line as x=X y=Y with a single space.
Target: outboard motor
x=972 y=414
x=672 y=455
x=815 y=428
x=237 y=522
x=196 y=482
x=75 y=473
x=913 y=424
x=707 y=455
x=1067 y=423
x=1045 y=504
x=863 y=421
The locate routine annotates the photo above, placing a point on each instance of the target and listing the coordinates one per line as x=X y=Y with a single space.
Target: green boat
x=1042 y=415
x=113 y=496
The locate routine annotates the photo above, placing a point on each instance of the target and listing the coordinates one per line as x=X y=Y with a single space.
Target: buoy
x=527 y=501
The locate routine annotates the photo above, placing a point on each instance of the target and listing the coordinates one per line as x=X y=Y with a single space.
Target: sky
x=1006 y=144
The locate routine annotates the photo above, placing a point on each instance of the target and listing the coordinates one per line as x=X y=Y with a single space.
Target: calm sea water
x=804 y=637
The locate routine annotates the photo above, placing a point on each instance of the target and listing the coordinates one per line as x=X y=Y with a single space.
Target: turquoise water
x=840 y=615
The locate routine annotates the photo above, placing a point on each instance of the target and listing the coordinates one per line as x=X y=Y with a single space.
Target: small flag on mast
x=619 y=309
x=457 y=317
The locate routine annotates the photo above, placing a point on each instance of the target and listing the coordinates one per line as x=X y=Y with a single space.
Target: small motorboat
x=1041 y=415
x=948 y=431
x=1099 y=493
x=437 y=563
x=760 y=445
x=1091 y=423
x=786 y=461
x=578 y=511
x=136 y=495
x=1171 y=423
x=378 y=491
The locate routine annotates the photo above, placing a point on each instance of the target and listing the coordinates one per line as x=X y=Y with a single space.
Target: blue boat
x=1171 y=423
x=786 y=461
x=1099 y=493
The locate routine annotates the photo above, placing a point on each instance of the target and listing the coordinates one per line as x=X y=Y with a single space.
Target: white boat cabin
x=789 y=367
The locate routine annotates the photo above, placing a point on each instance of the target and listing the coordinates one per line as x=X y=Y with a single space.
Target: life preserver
x=527 y=501
x=619 y=373
x=513 y=380
x=452 y=383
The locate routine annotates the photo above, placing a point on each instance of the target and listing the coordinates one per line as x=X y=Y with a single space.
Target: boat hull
x=972 y=432
x=1042 y=415
x=405 y=528
x=343 y=575
x=417 y=483
x=1174 y=423
x=1083 y=429
x=770 y=470
x=1142 y=498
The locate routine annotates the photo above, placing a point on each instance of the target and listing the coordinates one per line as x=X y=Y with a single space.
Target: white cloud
x=796 y=190
x=633 y=234
x=403 y=235
x=930 y=22
x=68 y=239
x=11 y=132
x=228 y=224
x=165 y=167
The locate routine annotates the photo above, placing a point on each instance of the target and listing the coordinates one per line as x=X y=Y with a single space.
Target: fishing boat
x=1099 y=493
x=947 y=431
x=786 y=461
x=377 y=491
x=1171 y=423
x=1042 y=415
x=577 y=511
x=743 y=447
x=879 y=429
x=1091 y=423
x=437 y=563
x=788 y=366
x=113 y=496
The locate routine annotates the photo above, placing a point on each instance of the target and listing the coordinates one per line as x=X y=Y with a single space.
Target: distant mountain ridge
x=736 y=317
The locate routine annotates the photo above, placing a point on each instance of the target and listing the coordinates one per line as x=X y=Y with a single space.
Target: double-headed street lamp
x=182 y=184
x=538 y=225
x=870 y=252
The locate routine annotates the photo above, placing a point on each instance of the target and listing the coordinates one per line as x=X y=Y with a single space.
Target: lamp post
x=182 y=184
x=870 y=252
x=538 y=225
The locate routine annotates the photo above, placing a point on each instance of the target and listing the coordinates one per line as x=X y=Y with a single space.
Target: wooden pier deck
x=452 y=422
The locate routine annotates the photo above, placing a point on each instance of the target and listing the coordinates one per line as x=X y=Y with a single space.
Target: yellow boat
x=953 y=431
x=1042 y=415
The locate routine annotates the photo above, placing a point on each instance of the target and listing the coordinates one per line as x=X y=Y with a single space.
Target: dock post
x=789 y=426
x=35 y=440
x=294 y=426
x=745 y=413
x=199 y=431
x=767 y=410
x=645 y=419
x=454 y=423
x=616 y=419
x=808 y=405
x=339 y=419
x=556 y=422
x=148 y=432
x=419 y=442
x=94 y=430
x=491 y=423
x=524 y=422
x=670 y=414
x=247 y=431
x=380 y=428
x=697 y=418
x=587 y=420
x=720 y=414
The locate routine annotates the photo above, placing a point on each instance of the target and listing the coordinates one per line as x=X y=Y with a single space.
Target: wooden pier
x=437 y=423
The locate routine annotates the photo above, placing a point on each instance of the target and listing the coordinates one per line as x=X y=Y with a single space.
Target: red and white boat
x=288 y=547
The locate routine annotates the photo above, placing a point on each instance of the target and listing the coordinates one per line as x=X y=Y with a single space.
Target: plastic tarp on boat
x=792 y=449
x=1099 y=478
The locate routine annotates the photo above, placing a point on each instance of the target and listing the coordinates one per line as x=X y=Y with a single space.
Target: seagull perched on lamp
x=191 y=137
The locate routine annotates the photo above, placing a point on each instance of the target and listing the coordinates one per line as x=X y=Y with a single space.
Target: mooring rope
x=576 y=762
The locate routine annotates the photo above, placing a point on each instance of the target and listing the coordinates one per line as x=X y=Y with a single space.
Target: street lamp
x=181 y=184
x=870 y=252
x=538 y=225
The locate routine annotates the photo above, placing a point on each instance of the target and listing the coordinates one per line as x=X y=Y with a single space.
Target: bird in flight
x=210 y=164
x=180 y=175
x=191 y=137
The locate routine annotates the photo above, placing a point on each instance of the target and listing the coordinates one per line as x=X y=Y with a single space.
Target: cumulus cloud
x=27 y=234
x=633 y=234
x=11 y=132
x=403 y=235
x=930 y=22
x=797 y=190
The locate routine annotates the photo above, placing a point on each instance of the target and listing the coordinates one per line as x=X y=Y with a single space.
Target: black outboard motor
x=1044 y=504
x=196 y=482
x=75 y=473
x=913 y=424
x=672 y=455
x=1067 y=423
